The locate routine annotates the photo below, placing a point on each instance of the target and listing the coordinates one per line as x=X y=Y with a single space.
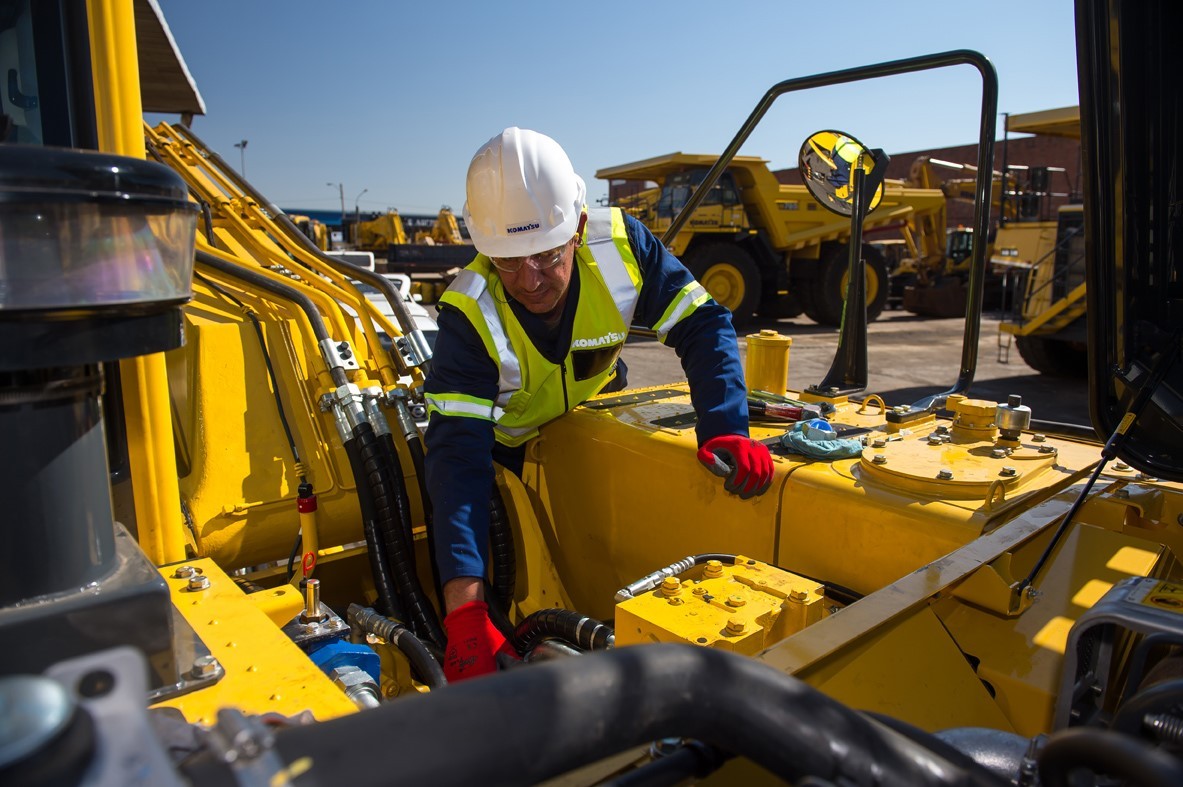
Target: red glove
x=473 y=642
x=744 y=463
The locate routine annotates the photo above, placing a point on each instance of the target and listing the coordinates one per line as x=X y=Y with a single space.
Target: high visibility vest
x=531 y=389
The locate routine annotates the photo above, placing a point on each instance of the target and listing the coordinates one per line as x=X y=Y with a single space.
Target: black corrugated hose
x=1126 y=758
x=501 y=551
x=422 y=662
x=525 y=726
x=415 y=447
x=401 y=501
x=379 y=477
x=571 y=627
x=388 y=601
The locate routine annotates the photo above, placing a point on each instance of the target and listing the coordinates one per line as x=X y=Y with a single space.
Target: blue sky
x=393 y=98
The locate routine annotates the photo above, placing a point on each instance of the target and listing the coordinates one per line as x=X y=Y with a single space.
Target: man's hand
x=473 y=642
x=744 y=463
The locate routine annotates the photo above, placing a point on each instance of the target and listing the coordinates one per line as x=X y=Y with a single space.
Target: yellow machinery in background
x=1044 y=260
x=759 y=245
x=238 y=586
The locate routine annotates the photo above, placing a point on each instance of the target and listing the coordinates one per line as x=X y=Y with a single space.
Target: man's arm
x=458 y=463
x=704 y=339
x=700 y=331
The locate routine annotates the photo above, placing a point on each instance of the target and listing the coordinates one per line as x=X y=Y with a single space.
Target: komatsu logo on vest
x=612 y=337
x=522 y=228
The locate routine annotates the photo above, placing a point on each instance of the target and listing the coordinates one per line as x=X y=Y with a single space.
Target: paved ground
x=909 y=357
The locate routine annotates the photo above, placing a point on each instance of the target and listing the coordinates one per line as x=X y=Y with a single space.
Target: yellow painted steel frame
x=118 y=114
x=936 y=559
x=265 y=671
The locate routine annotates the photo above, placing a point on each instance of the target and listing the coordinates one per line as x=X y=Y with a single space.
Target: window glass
x=21 y=120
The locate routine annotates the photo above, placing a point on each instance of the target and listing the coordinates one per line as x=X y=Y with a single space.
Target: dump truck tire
x=830 y=287
x=1054 y=357
x=730 y=275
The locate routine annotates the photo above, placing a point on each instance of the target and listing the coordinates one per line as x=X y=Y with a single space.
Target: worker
x=533 y=327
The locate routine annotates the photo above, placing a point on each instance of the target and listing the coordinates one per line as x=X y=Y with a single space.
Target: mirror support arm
x=848 y=372
x=986 y=135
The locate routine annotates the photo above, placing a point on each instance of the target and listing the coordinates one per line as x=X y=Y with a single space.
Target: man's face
x=539 y=282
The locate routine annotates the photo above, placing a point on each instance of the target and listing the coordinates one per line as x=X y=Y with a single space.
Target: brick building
x=1060 y=154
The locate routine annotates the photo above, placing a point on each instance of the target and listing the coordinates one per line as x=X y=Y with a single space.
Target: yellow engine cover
x=742 y=608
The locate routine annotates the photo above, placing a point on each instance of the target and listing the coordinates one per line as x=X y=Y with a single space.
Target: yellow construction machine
x=216 y=565
x=317 y=231
x=1044 y=262
x=931 y=279
x=759 y=245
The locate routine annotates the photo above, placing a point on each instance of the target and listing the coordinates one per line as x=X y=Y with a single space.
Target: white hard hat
x=523 y=195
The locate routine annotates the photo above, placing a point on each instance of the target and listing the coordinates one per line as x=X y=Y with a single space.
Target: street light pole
x=241 y=156
x=341 y=190
x=357 y=208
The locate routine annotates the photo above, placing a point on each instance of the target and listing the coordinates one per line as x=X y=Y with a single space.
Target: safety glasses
x=540 y=262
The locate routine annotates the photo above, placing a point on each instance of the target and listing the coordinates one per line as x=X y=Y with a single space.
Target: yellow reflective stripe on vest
x=687 y=301
x=474 y=286
x=460 y=405
x=602 y=245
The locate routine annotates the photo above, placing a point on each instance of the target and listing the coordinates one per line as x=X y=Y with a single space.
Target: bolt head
x=736 y=601
x=1039 y=438
x=199 y=582
x=879 y=459
x=1008 y=471
x=1047 y=449
x=184 y=572
x=1122 y=466
x=878 y=442
x=798 y=595
x=944 y=474
x=204 y=666
x=735 y=626
x=999 y=453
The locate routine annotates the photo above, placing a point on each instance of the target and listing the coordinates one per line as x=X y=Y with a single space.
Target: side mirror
x=827 y=160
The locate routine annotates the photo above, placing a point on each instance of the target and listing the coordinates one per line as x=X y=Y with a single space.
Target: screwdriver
x=782 y=412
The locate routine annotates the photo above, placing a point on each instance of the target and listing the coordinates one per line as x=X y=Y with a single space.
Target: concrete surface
x=909 y=357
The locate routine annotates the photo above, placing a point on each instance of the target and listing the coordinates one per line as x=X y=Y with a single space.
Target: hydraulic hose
x=1159 y=698
x=528 y=725
x=379 y=476
x=399 y=489
x=691 y=762
x=403 y=316
x=414 y=442
x=422 y=662
x=1128 y=759
x=384 y=585
x=501 y=551
x=571 y=627
x=647 y=583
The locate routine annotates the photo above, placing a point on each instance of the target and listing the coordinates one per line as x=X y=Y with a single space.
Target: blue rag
x=798 y=442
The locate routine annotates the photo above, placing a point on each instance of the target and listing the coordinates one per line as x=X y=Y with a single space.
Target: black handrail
x=973 y=311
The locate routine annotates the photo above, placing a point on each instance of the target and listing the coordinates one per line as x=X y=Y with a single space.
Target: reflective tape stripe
x=460 y=405
x=468 y=283
x=472 y=285
x=693 y=295
x=519 y=431
x=612 y=268
x=510 y=371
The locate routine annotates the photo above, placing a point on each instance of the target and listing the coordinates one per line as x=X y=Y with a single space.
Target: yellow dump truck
x=216 y=542
x=761 y=246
